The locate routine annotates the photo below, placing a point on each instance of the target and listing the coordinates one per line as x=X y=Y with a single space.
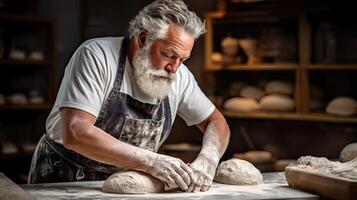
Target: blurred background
x=283 y=72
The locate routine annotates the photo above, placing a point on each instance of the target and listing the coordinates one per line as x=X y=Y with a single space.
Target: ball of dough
x=238 y=172
x=342 y=106
x=279 y=87
x=238 y=104
x=277 y=102
x=251 y=92
x=132 y=182
x=349 y=152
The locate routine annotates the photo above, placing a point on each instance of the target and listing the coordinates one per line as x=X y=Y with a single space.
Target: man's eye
x=165 y=54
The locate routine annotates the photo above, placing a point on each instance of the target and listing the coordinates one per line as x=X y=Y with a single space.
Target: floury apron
x=131 y=121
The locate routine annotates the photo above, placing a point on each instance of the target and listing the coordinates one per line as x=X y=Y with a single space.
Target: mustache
x=162 y=73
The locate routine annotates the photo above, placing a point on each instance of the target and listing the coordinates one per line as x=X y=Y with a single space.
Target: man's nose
x=173 y=65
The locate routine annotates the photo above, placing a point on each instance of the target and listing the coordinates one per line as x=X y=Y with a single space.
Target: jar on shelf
x=229 y=49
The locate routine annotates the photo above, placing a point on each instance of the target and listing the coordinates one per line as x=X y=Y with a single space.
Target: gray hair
x=156 y=17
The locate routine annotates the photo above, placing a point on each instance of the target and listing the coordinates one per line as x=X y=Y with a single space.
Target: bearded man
x=117 y=102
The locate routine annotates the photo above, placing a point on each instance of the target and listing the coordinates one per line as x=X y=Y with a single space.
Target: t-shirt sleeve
x=85 y=85
x=194 y=106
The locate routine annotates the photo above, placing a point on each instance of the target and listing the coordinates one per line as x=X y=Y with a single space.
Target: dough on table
x=325 y=167
x=238 y=172
x=132 y=182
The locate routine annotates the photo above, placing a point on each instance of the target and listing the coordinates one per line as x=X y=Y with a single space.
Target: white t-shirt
x=89 y=78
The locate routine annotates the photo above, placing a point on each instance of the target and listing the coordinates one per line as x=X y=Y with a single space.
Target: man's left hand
x=204 y=170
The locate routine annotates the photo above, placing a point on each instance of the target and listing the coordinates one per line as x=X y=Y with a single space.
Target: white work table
x=274 y=187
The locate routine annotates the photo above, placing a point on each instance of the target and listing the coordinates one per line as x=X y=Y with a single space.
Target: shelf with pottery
x=304 y=57
x=28 y=84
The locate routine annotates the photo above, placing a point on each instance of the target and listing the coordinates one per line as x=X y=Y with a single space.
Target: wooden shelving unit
x=25 y=75
x=299 y=19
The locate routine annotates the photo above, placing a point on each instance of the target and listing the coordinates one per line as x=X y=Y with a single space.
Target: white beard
x=152 y=82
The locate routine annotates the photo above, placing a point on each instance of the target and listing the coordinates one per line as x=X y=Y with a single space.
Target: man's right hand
x=172 y=171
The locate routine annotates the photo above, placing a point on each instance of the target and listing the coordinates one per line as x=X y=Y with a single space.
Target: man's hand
x=172 y=171
x=215 y=141
x=204 y=169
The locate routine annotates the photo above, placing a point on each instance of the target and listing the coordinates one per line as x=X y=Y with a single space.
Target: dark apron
x=131 y=121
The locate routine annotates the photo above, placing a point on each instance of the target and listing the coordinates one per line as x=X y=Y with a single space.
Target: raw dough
x=238 y=104
x=251 y=92
x=349 y=152
x=238 y=172
x=132 y=182
x=325 y=167
x=277 y=102
x=342 y=106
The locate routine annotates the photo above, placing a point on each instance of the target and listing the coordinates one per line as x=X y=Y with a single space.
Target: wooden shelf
x=25 y=62
x=331 y=66
x=290 y=116
x=26 y=107
x=255 y=67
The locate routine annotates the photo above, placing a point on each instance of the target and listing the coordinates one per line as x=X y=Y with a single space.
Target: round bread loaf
x=277 y=102
x=349 y=152
x=342 y=106
x=279 y=87
x=251 y=92
x=238 y=104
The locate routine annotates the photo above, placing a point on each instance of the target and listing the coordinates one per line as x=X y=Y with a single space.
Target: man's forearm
x=96 y=144
x=215 y=138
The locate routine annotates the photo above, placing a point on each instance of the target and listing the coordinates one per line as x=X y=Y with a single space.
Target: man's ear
x=142 y=39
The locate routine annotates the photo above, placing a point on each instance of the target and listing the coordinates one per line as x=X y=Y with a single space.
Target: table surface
x=273 y=187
